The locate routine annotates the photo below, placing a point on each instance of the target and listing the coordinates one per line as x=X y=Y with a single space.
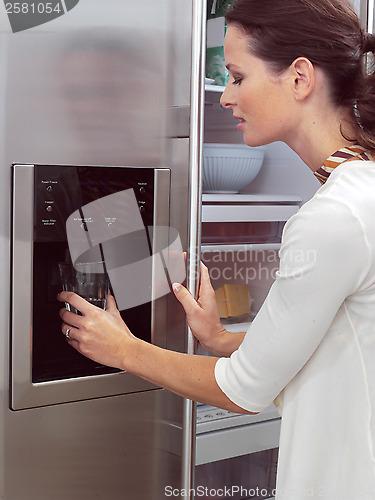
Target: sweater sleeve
x=324 y=257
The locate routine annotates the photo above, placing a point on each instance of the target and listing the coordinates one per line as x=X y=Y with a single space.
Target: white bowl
x=228 y=168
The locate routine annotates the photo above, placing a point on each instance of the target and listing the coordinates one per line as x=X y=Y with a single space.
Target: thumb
x=111 y=304
x=184 y=297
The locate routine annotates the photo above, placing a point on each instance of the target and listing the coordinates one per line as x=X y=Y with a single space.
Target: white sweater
x=312 y=344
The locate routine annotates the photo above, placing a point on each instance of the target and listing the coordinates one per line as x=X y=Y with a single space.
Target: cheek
x=253 y=100
x=247 y=103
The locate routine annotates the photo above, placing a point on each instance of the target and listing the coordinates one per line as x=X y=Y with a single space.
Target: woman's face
x=263 y=102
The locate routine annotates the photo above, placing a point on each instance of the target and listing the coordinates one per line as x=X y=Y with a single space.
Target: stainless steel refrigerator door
x=107 y=83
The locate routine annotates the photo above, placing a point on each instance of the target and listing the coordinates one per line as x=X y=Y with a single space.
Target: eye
x=237 y=80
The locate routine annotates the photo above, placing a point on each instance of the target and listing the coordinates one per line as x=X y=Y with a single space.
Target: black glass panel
x=60 y=191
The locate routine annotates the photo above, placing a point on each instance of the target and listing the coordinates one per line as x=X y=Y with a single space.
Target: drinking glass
x=87 y=279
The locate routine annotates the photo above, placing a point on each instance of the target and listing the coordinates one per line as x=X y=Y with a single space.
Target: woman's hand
x=99 y=335
x=203 y=317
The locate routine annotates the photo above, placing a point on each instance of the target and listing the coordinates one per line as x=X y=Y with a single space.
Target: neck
x=319 y=135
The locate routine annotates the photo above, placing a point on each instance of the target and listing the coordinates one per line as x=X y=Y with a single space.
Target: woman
x=296 y=75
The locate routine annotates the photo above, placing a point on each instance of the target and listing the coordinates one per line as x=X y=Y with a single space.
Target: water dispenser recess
x=59 y=192
x=44 y=198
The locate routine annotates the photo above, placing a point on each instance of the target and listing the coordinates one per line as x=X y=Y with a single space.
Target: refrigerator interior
x=283 y=174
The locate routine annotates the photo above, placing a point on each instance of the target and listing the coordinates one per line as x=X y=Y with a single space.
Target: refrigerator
x=94 y=95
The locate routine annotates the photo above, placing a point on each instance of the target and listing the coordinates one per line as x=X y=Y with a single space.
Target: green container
x=216 y=28
x=217 y=8
x=215 y=66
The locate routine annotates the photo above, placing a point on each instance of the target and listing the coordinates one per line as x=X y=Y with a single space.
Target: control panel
x=62 y=190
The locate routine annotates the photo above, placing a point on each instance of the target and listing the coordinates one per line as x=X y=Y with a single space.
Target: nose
x=227 y=97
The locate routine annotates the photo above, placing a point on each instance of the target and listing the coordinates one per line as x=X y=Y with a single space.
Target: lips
x=241 y=125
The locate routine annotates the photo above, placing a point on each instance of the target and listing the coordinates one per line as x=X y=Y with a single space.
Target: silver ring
x=67 y=332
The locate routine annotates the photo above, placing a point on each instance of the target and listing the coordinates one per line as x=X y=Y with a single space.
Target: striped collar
x=355 y=152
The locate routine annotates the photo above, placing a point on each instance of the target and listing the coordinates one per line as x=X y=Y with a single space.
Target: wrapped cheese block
x=233 y=300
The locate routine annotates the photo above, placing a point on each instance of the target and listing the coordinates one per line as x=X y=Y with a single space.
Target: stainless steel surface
x=24 y=393
x=160 y=243
x=99 y=449
x=95 y=86
x=195 y=196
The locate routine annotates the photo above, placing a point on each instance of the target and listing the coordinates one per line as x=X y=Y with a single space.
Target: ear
x=303 y=75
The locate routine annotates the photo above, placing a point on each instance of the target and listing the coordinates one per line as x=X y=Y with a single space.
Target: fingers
x=70 y=333
x=74 y=325
x=205 y=275
x=185 y=298
x=76 y=301
x=82 y=305
x=70 y=318
x=203 y=266
x=205 y=287
x=111 y=305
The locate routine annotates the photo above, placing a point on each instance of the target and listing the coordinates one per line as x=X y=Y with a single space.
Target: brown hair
x=328 y=33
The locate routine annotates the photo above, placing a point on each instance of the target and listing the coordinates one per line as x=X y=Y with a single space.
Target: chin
x=254 y=140
x=253 y=143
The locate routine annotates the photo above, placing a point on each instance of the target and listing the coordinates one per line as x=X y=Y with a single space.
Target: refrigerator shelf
x=251 y=199
x=214 y=88
x=246 y=247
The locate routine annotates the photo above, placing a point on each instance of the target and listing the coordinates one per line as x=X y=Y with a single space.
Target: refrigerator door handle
x=195 y=209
